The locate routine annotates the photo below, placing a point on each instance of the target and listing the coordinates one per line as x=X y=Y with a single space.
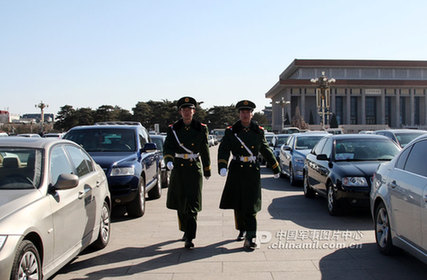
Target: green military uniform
x=185 y=189
x=242 y=191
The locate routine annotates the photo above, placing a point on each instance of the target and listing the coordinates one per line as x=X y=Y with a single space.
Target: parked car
x=54 y=135
x=292 y=154
x=29 y=135
x=270 y=137
x=340 y=168
x=398 y=201
x=211 y=140
x=159 y=140
x=129 y=159
x=291 y=130
x=54 y=202
x=335 y=130
x=281 y=139
x=401 y=136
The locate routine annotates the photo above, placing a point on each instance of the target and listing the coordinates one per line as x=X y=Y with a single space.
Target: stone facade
x=366 y=92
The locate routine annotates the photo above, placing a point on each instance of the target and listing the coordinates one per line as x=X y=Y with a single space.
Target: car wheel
x=291 y=176
x=383 y=230
x=136 y=208
x=308 y=191
x=104 y=228
x=156 y=191
x=333 y=205
x=27 y=264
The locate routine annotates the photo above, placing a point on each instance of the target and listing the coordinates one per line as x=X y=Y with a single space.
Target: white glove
x=223 y=172
x=170 y=165
x=276 y=176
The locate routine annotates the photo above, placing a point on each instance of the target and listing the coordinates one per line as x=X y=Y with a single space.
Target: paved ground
x=298 y=240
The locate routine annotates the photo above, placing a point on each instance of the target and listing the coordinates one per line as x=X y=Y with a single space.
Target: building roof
x=299 y=72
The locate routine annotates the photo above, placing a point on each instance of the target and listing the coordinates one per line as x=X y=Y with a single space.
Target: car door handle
x=393 y=185
x=83 y=193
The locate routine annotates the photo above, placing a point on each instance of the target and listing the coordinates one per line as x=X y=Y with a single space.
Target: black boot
x=241 y=235
x=249 y=244
x=189 y=244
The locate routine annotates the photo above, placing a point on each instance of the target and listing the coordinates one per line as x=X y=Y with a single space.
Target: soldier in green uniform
x=185 y=150
x=242 y=191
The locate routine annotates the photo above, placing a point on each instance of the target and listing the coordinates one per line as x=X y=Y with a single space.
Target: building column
x=363 y=107
x=412 y=106
x=348 y=106
x=333 y=104
x=397 y=122
x=303 y=92
x=382 y=104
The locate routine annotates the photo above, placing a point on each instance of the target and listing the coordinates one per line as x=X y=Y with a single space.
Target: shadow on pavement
x=368 y=263
x=158 y=258
x=313 y=213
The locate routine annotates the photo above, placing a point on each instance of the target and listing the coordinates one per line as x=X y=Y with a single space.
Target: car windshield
x=104 y=140
x=281 y=140
x=405 y=138
x=159 y=142
x=365 y=149
x=306 y=142
x=269 y=139
x=20 y=168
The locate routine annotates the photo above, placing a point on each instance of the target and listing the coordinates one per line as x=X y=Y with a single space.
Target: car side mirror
x=286 y=147
x=149 y=147
x=322 y=157
x=66 y=182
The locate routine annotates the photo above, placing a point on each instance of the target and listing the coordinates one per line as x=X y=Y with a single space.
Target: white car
x=398 y=201
x=54 y=202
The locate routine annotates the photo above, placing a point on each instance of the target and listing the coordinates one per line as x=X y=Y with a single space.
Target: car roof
x=356 y=136
x=317 y=133
x=30 y=142
x=110 y=126
x=404 y=130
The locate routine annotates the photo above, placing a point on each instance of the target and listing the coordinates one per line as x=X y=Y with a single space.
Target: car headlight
x=122 y=171
x=355 y=182
x=299 y=160
x=2 y=240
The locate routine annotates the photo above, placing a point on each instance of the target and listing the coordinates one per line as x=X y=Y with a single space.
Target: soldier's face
x=187 y=114
x=245 y=116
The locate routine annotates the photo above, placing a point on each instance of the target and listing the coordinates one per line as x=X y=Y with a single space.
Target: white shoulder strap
x=243 y=143
x=180 y=144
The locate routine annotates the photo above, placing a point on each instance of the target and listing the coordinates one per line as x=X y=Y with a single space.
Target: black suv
x=128 y=157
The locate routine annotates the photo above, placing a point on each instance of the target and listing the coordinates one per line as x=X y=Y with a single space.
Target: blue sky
x=87 y=53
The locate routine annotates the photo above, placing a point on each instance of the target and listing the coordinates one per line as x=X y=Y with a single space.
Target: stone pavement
x=298 y=240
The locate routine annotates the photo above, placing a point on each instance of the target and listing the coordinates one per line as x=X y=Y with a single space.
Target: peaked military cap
x=186 y=101
x=245 y=105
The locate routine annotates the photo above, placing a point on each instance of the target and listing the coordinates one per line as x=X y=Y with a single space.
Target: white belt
x=245 y=158
x=187 y=156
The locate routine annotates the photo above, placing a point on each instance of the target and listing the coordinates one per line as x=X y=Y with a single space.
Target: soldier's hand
x=207 y=177
x=276 y=176
x=223 y=172
x=170 y=165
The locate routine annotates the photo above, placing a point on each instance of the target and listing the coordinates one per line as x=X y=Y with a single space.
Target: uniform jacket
x=242 y=189
x=186 y=177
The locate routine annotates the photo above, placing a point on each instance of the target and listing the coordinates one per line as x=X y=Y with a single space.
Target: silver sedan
x=54 y=202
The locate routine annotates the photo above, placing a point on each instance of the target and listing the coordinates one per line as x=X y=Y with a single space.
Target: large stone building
x=366 y=92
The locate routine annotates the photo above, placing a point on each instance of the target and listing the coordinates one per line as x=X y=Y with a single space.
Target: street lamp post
x=282 y=102
x=41 y=105
x=323 y=95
